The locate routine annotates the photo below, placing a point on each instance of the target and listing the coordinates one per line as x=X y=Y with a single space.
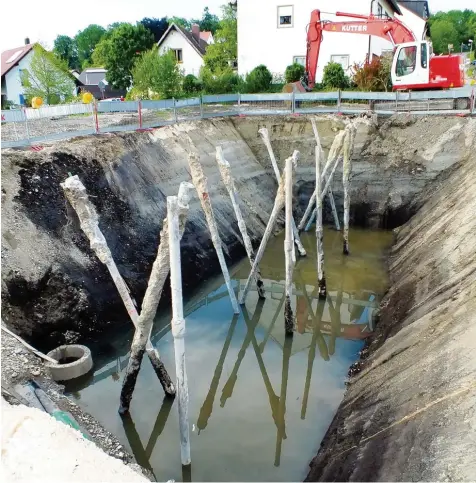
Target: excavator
x=414 y=65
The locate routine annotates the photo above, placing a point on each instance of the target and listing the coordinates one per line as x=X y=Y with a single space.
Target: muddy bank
x=19 y=365
x=54 y=290
x=410 y=414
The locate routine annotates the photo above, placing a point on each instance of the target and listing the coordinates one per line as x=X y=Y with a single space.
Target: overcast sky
x=45 y=19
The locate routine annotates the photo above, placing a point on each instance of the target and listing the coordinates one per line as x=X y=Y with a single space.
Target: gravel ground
x=20 y=365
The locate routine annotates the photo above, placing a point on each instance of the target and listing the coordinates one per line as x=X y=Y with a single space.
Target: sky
x=60 y=17
x=44 y=20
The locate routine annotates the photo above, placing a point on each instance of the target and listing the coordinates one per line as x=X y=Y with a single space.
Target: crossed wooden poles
x=168 y=259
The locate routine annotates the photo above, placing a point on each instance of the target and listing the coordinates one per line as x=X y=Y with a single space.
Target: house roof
x=10 y=58
x=394 y=5
x=199 y=46
x=419 y=7
x=205 y=36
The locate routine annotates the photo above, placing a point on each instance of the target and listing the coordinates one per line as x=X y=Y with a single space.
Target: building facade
x=273 y=33
x=13 y=62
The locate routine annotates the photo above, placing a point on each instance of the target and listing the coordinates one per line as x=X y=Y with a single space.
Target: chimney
x=27 y=41
x=196 y=32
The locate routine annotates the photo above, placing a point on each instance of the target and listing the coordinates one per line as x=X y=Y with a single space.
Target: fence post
x=139 y=107
x=293 y=102
x=95 y=117
x=26 y=124
x=201 y=107
x=239 y=103
x=396 y=101
x=339 y=100
x=175 y=109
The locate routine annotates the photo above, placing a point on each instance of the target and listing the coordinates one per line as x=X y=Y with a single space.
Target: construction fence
x=23 y=127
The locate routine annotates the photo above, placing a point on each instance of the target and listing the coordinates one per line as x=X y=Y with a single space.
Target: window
x=285 y=16
x=343 y=60
x=424 y=56
x=178 y=55
x=300 y=59
x=379 y=11
x=406 y=60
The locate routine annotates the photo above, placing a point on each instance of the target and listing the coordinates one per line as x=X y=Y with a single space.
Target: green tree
x=65 y=49
x=222 y=55
x=443 y=33
x=47 y=77
x=334 y=76
x=86 y=40
x=157 y=26
x=120 y=51
x=156 y=74
x=294 y=72
x=259 y=79
x=182 y=22
x=208 y=22
x=463 y=27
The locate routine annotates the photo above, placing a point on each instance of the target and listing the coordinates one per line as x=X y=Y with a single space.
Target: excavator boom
x=388 y=28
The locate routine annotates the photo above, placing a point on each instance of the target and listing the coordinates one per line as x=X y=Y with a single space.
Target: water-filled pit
x=260 y=403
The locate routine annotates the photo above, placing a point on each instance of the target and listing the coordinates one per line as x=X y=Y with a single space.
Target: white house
x=273 y=33
x=13 y=62
x=188 y=47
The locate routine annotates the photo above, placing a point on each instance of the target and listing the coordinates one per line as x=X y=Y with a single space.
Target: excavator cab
x=411 y=65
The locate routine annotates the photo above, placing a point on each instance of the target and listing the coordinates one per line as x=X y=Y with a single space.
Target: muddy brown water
x=260 y=403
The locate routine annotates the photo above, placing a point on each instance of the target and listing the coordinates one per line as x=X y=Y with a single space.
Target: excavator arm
x=388 y=28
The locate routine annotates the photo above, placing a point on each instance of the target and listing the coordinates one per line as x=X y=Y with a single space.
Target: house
x=188 y=47
x=13 y=62
x=94 y=81
x=274 y=33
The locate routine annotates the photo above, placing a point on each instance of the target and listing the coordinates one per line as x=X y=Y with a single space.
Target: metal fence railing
x=23 y=127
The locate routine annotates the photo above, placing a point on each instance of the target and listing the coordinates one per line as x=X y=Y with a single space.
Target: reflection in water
x=277 y=394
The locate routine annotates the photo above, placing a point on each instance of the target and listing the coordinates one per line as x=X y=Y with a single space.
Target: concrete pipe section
x=74 y=361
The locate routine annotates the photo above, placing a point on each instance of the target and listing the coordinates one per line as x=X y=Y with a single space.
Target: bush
x=227 y=82
x=191 y=84
x=294 y=72
x=373 y=76
x=259 y=79
x=334 y=76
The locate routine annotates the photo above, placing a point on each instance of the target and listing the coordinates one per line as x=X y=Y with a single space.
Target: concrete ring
x=81 y=362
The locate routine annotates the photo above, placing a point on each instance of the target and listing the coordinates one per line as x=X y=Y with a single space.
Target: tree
x=294 y=72
x=47 y=77
x=443 y=34
x=86 y=40
x=209 y=22
x=222 y=54
x=120 y=51
x=65 y=49
x=259 y=79
x=182 y=22
x=157 y=26
x=463 y=27
x=334 y=76
x=158 y=74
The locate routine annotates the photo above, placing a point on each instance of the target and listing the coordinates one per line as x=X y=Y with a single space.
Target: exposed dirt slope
x=419 y=379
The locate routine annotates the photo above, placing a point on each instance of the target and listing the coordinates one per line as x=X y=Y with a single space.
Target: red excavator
x=414 y=66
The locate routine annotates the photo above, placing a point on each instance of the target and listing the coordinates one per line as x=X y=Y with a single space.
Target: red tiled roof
x=205 y=36
x=22 y=51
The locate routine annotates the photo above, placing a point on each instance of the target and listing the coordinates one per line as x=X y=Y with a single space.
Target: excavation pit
x=55 y=291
